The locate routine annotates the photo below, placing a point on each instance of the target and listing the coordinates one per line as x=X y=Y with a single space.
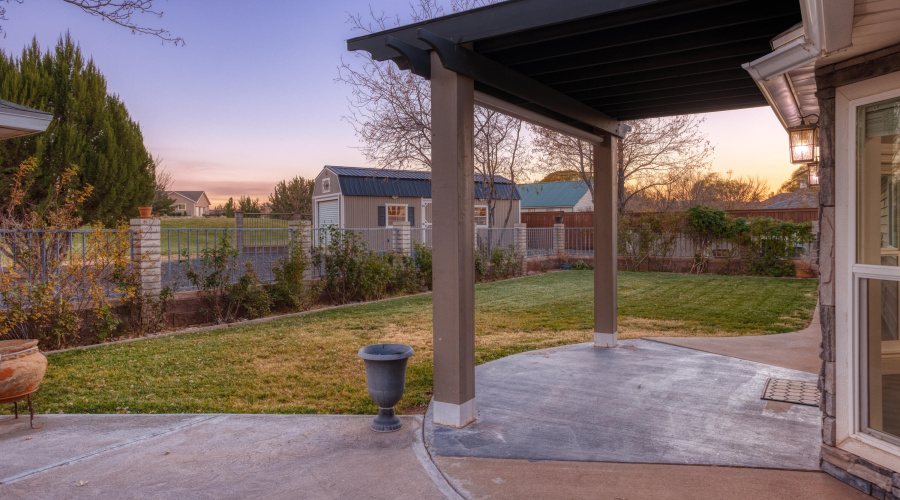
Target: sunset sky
x=252 y=99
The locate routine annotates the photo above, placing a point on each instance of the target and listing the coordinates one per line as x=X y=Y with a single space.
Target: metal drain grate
x=792 y=391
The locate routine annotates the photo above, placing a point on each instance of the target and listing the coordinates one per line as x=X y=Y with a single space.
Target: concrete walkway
x=214 y=456
x=795 y=350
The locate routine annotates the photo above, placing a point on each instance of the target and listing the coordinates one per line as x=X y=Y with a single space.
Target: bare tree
x=500 y=149
x=564 y=153
x=656 y=153
x=390 y=111
x=713 y=189
x=121 y=12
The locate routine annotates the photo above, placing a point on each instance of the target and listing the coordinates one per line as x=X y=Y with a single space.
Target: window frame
x=326 y=185
x=487 y=218
x=387 y=213
x=850 y=434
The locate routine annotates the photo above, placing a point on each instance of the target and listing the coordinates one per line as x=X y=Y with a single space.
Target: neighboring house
x=352 y=197
x=190 y=203
x=801 y=198
x=565 y=196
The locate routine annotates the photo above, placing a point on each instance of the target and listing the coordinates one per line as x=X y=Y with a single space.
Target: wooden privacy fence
x=586 y=219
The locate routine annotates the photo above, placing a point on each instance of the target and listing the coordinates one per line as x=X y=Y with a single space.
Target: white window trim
x=387 y=218
x=487 y=216
x=848 y=410
x=326 y=185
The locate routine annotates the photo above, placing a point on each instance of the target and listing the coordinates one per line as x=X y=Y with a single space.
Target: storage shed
x=357 y=198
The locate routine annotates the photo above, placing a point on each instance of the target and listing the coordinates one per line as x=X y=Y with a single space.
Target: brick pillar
x=145 y=255
x=522 y=245
x=403 y=238
x=521 y=239
x=559 y=239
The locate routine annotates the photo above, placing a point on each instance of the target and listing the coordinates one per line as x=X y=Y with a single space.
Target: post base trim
x=454 y=415
x=606 y=339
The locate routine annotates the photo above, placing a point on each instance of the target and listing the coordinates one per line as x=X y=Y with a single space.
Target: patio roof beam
x=482 y=69
x=509 y=109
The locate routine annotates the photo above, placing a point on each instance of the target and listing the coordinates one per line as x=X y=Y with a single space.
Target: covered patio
x=579 y=68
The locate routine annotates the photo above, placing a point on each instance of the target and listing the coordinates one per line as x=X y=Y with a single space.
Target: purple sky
x=251 y=99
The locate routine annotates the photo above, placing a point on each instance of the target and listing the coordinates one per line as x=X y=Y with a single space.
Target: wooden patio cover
x=580 y=67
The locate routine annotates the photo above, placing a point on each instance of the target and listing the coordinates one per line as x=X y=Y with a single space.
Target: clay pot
x=22 y=367
x=145 y=212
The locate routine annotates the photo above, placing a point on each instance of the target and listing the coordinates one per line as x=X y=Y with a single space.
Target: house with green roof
x=566 y=196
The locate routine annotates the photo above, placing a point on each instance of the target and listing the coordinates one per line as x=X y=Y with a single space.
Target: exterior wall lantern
x=812 y=172
x=804 y=144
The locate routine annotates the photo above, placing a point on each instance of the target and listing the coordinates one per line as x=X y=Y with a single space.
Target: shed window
x=481 y=216
x=326 y=185
x=396 y=213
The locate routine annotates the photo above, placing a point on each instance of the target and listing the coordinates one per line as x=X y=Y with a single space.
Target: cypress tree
x=91 y=129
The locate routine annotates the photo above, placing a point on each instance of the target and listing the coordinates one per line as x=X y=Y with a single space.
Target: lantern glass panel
x=803 y=145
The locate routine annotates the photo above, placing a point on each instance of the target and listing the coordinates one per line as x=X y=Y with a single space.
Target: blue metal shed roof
x=357 y=181
x=552 y=194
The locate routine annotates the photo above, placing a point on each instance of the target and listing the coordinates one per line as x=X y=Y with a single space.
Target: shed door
x=329 y=214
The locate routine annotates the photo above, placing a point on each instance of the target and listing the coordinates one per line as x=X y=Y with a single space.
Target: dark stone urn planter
x=386 y=380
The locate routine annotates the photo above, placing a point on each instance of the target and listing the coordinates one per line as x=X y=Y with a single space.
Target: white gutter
x=827 y=28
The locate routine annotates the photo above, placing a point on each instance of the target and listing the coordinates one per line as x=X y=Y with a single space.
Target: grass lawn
x=201 y=232
x=308 y=364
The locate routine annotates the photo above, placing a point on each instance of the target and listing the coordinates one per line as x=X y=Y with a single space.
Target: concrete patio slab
x=795 y=350
x=643 y=402
x=214 y=456
x=516 y=479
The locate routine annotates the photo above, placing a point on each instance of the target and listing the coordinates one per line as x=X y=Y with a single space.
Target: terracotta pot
x=22 y=367
x=145 y=212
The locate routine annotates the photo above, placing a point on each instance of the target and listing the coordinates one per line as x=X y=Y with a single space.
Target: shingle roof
x=191 y=195
x=552 y=194
x=357 y=181
x=801 y=198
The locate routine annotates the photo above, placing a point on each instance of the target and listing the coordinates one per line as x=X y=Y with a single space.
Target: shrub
x=248 y=296
x=582 y=266
x=211 y=276
x=290 y=291
x=706 y=225
x=500 y=263
x=422 y=257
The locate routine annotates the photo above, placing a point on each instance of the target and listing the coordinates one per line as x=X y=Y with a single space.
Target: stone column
x=559 y=239
x=403 y=238
x=145 y=255
x=453 y=194
x=239 y=233
x=522 y=245
x=606 y=328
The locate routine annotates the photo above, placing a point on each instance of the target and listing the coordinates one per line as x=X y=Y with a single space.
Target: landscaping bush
x=250 y=297
x=352 y=272
x=290 y=291
x=498 y=264
x=648 y=235
x=422 y=256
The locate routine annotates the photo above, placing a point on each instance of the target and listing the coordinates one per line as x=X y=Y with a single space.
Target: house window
x=877 y=258
x=396 y=213
x=481 y=216
x=326 y=185
x=180 y=206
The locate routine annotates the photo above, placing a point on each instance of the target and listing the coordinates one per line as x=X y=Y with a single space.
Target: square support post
x=453 y=195
x=606 y=328
x=403 y=238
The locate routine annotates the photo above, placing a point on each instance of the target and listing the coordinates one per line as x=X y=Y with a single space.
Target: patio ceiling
x=591 y=64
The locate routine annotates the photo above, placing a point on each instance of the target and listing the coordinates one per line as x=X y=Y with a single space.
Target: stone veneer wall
x=865 y=476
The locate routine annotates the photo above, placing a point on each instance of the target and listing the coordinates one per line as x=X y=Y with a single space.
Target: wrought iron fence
x=65 y=258
x=261 y=249
x=493 y=238
x=540 y=241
